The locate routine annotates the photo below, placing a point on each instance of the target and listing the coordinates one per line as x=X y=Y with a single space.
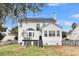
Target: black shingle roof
x=39 y=20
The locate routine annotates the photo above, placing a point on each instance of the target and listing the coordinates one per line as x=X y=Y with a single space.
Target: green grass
x=18 y=50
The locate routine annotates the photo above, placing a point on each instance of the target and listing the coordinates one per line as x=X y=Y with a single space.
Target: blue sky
x=66 y=14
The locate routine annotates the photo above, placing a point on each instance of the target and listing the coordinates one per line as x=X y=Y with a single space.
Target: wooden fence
x=70 y=42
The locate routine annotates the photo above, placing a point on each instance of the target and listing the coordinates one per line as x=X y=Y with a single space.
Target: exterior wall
x=32 y=25
x=24 y=28
x=8 y=37
x=52 y=40
x=20 y=37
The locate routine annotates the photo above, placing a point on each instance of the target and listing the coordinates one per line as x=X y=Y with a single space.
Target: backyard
x=18 y=50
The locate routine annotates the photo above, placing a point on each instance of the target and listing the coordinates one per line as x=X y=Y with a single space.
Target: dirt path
x=64 y=50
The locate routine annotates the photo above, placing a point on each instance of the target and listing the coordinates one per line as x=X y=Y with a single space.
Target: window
x=27 y=34
x=38 y=27
x=58 y=33
x=30 y=34
x=53 y=33
x=50 y=34
x=33 y=34
x=45 y=33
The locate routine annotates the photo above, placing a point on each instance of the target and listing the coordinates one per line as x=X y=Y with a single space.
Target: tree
x=64 y=34
x=14 y=30
x=1 y=36
x=2 y=29
x=74 y=25
x=18 y=10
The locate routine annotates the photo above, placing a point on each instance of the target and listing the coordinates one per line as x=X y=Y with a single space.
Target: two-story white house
x=30 y=30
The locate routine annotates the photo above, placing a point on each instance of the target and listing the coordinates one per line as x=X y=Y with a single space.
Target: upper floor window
x=38 y=27
x=45 y=33
x=58 y=33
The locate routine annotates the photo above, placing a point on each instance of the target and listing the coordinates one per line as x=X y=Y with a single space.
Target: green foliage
x=2 y=29
x=1 y=37
x=19 y=50
x=18 y=10
x=14 y=30
x=74 y=25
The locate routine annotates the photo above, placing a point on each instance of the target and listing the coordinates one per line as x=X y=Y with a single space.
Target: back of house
x=32 y=30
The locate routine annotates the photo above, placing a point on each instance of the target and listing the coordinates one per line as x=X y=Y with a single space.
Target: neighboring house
x=8 y=35
x=72 y=38
x=31 y=30
x=74 y=34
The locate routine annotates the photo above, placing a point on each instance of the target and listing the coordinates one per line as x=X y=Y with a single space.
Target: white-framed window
x=30 y=34
x=27 y=34
x=33 y=34
x=45 y=33
x=38 y=27
x=51 y=33
x=58 y=33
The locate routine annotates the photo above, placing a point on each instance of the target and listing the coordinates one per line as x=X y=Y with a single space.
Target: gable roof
x=38 y=20
x=70 y=31
x=52 y=23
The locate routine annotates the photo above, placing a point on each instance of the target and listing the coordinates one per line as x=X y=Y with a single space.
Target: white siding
x=20 y=30
x=32 y=25
x=52 y=40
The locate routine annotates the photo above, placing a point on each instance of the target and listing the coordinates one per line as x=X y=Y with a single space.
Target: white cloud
x=53 y=4
x=65 y=23
x=75 y=16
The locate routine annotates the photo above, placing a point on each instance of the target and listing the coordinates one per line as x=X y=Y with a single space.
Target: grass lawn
x=18 y=50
